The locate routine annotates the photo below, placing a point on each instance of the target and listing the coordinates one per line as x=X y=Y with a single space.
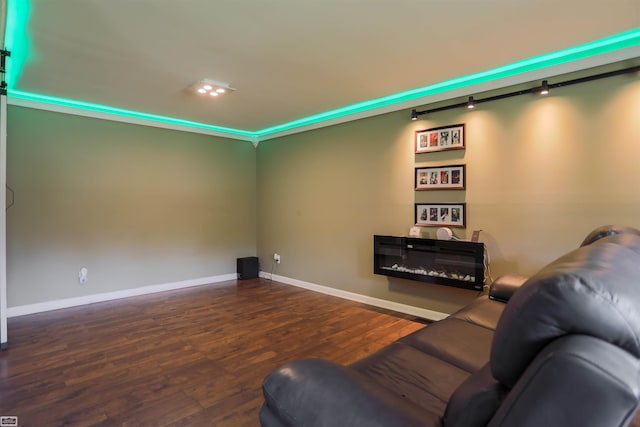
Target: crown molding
x=23 y=99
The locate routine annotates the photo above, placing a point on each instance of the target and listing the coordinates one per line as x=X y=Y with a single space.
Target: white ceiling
x=289 y=58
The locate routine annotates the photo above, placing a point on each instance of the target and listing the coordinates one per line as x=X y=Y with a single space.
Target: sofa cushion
x=594 y=290
x=414 y=375
x=320 y=393
x=482 y=312
x=461 y=343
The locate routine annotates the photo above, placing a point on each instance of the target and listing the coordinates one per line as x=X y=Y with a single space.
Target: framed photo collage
x=443 y=177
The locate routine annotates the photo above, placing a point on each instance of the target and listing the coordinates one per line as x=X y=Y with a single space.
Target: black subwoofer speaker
x=248 y=267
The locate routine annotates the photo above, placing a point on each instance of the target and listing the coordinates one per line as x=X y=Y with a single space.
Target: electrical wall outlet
x=83 y=277
x=276 y=258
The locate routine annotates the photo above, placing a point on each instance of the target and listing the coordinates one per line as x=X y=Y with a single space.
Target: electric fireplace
x=442 y=262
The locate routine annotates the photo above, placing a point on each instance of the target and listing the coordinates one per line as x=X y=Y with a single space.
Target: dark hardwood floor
x=191 y=357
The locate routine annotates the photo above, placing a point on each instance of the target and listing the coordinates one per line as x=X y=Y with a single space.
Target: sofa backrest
x=593 y=290
x=608 y=230
x=567 y=346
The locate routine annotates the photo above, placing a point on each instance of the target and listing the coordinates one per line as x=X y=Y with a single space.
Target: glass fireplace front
x=442 y=262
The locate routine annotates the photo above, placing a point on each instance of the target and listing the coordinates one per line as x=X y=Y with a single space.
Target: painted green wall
x=135 y=205
x=143 y=206
x=541 y=173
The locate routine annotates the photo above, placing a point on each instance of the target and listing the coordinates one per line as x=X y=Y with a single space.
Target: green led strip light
x=16 y=38
x=616 y=42
x=122 y=112
x=17 y=41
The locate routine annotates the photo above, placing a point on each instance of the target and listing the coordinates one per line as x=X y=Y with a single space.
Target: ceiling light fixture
x=544 y=89
x=211 y=87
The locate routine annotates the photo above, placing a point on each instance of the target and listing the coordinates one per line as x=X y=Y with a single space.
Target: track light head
x=414 y=114
x=544 y=89
x=471 y=103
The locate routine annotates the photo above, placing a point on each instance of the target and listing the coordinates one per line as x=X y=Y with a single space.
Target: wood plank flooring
x=192 y=357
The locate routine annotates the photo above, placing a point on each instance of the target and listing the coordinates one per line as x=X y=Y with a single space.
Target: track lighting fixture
x=544 y=89
x=471 y=103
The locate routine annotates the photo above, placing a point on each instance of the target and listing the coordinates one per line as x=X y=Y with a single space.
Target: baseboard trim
x=352 y=296
x=23 y=310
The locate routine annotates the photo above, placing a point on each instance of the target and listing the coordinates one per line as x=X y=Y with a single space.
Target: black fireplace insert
x=442 y=262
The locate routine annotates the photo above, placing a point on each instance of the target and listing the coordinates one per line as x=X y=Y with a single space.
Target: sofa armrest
x=504 y=286
x=315 y=392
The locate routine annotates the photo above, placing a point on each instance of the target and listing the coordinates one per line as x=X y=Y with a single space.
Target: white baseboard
x=377 y=302
x=23 y=310
x=108 y=296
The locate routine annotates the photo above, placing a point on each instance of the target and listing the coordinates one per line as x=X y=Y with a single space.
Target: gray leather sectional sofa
x=561 y=349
